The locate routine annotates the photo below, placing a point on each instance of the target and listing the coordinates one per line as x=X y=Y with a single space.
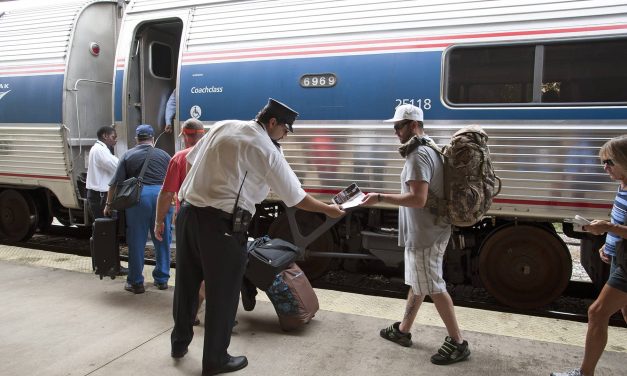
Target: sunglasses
x=608 y=162
x=400 y=125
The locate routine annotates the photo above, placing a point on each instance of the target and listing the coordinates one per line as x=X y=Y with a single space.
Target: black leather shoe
x=178 y=354
x=249 y=292
x=161 y=286
x=135 y=289
x=235 y=363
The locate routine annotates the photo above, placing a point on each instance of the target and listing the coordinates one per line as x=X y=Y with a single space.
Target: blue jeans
x=140 y=219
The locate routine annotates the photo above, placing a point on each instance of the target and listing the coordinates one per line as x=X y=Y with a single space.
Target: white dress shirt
x=100 y=167
x=221 y=159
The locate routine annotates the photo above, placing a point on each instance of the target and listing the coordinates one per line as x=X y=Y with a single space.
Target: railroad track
x=572 y=306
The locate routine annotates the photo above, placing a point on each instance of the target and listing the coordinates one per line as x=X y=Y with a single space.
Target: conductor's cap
x=281 y=112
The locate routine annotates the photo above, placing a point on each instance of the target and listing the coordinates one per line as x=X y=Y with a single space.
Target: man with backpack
x=423 y=233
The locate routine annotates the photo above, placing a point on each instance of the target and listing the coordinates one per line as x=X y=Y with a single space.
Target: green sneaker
x=393 y=333
x=451 y=352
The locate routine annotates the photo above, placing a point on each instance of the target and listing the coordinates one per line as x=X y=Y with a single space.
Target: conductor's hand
x=168 y=128
x=334 y=211
x=159 y=230
x=107 y=211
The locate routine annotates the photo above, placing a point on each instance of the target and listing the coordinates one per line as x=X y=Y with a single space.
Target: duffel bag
x=267 y=258
x=293 y=298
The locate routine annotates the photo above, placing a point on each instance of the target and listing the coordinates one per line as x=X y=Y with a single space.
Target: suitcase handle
x=303 y=241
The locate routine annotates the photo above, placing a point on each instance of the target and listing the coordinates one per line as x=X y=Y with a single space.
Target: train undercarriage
x=523 y=264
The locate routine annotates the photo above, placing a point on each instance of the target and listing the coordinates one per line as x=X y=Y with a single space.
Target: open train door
x=152 y=75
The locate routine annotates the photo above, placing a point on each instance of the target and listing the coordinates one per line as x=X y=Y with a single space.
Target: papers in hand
x=349 y=197
x=581 y=220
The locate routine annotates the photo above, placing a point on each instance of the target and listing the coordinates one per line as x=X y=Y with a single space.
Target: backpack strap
x=437 y=206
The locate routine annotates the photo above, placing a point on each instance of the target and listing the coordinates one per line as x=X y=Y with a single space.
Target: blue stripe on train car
x=117 y=98
x=32 y=99
x=368 y=87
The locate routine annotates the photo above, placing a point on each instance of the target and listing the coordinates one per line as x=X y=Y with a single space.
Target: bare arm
x=415 y=198
x=163 y=206
x=599 y=227
x=110 y=195
x=311 y=204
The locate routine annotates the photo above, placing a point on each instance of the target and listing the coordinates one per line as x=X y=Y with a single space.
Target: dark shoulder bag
x=267 y=258
x=128 y=192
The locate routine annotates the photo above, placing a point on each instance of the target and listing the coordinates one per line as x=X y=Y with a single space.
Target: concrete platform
x=59 y=319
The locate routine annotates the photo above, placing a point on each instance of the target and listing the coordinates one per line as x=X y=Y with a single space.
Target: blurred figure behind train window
x=192 y=131
x=613 y=296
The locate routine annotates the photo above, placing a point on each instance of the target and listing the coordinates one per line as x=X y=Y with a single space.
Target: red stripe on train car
x=35 y=176
x=207 y=54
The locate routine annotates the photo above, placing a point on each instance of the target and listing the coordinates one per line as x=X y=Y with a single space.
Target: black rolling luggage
x=105 y=253
x=267 y=258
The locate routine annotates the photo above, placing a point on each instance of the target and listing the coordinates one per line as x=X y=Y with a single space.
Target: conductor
x=232 y=169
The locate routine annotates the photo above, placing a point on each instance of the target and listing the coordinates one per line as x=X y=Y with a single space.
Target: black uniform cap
x=281 y=112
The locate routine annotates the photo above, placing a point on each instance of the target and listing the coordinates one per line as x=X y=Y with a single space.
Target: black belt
x=101 y=194
x=210 y=210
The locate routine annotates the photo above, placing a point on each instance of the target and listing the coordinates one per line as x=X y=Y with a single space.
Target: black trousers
x=207 y=249
x=97 y=201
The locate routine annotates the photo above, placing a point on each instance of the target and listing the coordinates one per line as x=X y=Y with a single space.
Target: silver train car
x=545 y=79
x=56 y=76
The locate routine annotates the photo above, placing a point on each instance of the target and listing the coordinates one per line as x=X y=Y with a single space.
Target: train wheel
x=18 y=216
x=314 y=267
x=524 y=266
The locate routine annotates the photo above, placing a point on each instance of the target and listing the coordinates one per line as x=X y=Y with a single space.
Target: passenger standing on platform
x=422 y=234
x=170 y=112
x=192 y=132
x=232 y=169
x=100 y=169
x=613 y=296
x=141 y=216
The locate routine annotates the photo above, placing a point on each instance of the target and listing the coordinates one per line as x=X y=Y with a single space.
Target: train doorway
x=152 y=77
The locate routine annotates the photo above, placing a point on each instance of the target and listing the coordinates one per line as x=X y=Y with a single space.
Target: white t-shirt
x=221 y=159
x=417 y=227
x=101 y=167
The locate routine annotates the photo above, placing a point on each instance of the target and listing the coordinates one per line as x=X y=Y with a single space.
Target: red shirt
x=176 y=173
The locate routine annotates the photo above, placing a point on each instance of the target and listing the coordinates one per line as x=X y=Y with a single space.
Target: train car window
x=161 y=60
x=570 y=73
x=585 y=72
x=490 y=74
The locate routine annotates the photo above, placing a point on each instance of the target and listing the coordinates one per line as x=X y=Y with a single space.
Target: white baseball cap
x=406 y=112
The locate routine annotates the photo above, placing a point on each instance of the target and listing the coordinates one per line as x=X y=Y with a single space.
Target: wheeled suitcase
x=104 y=246
x=293 y=298
x=267 y=258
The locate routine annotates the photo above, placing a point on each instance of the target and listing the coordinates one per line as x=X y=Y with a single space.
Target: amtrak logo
x=3 y=93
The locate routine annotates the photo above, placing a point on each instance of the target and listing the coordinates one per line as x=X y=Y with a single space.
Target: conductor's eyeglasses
x=608 y=162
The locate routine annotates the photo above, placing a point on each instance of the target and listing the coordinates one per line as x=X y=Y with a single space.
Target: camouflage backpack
x=469 y=179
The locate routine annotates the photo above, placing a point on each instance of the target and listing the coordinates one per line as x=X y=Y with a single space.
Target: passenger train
x=545 y=79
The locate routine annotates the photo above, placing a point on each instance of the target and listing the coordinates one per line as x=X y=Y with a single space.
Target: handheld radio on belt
x=241 y=217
